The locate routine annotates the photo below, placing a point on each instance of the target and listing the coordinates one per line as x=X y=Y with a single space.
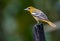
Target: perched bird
x=39 y=15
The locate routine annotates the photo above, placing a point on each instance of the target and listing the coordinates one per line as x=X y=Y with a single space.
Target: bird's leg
x=37 y=22
x=36 y=19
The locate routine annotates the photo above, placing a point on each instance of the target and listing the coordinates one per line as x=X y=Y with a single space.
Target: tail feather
x=50 y=23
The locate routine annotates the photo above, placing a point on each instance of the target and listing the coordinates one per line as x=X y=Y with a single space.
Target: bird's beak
x=26 y=9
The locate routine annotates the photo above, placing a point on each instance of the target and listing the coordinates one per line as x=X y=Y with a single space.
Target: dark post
x=38 y=32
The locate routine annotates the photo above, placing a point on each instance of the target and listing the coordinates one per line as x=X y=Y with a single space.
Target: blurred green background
x=17 y=24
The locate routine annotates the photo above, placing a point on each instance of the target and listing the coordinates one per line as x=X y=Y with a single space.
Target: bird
x=38 y=15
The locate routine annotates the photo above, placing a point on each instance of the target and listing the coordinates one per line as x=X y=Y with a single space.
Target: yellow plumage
x=50 y=23
x=39 y=15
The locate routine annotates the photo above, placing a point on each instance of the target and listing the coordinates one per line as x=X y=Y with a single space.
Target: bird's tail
x=50 y=23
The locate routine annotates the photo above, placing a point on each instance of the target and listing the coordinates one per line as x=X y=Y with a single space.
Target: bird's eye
x=28 y=8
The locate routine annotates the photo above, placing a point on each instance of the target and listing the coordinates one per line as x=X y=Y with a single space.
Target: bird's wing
x=40 y=15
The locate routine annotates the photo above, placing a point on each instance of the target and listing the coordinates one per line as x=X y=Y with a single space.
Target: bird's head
x=30 y=9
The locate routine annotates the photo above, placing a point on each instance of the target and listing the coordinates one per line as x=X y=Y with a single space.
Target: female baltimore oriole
x=39 y=15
